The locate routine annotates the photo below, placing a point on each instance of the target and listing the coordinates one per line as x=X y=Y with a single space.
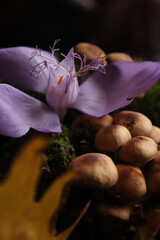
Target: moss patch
x=61 y=151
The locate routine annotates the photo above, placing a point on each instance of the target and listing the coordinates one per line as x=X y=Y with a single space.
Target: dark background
x=131 y=26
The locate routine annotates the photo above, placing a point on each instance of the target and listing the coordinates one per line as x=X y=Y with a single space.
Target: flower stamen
x=60 y=80
x=96 y=64
x=53 y=49
x=45 y=61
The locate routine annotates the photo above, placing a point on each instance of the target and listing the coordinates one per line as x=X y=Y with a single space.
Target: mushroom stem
x=149 y=227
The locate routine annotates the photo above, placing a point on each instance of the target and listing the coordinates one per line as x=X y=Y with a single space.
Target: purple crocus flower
x=110 y=87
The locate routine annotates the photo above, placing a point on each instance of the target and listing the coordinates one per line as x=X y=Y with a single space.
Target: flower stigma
x=63 y=87
x=96 y=64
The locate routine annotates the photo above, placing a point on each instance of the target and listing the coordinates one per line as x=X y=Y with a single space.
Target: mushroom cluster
x=123 y=172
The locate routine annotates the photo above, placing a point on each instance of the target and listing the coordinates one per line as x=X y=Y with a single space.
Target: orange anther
x=60 y=80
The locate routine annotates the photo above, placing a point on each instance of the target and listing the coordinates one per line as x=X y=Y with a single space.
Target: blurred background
x=131 y=26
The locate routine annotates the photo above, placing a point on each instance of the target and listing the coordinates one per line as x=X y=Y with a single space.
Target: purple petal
x=104 y=93
x=16 y=67
x=61 y=96
x=68 y=61
x=64 y=69
x=20 y=111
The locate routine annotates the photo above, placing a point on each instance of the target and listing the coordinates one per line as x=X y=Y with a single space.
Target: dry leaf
x=21 y=217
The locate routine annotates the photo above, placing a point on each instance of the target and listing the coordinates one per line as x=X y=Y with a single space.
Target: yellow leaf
x=65 y=234
x=21 y=218
x=51 y=200
x=53 y=195
x=24 y=174
x=17 y=191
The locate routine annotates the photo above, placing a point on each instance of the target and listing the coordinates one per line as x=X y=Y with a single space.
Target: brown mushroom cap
x=111 y=138
x=141 y=96
x=94 y=170
x=155 y=134
x=152 y=175
x=114 y=209
x=89 y=50
x=131 y=185
x=118 y=57
x=137 y=123
x=112 y=214
x=91 y=123
x=138 y=151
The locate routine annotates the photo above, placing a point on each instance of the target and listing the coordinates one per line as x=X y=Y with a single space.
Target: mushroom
x=150 y=225
x=141 y=96
x=90 y=51
x=149 y=228
x=91 y=123
x=138 y=151
x=152 y=175
x=111 y=138
x=112 y=214
x=155 y=134
x=95 y=170
x=131 y=185
x=118 y=57
x=137 y=123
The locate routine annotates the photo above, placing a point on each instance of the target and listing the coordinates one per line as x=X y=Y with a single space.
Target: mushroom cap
x=95 y=170
x=141 y=96
x=137 y=123
x=91 y=123
x=111 y=138
x=112 y=214
x=155 y=134
x=138 y=151
x=152 y=175
x=118 y=57
x=114 y=209
x=89 y=50
x=131 y=185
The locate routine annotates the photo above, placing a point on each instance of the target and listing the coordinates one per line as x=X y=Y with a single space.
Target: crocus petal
x=61 y=96
x=68 y=61
x=20 y=111
x=104 y=93
x=16 y=68
x=64 y=68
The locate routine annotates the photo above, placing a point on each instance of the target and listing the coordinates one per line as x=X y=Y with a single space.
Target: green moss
x=61 y=151
x=1 y=81
x=137 y=59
